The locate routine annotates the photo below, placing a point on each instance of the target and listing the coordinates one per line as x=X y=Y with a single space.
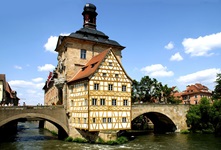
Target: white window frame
x=83 y=54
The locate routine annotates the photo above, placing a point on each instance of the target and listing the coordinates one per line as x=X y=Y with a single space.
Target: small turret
x=90 y=15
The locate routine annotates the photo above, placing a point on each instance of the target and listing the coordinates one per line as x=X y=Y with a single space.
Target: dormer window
x=83 y=68
x=92 y=65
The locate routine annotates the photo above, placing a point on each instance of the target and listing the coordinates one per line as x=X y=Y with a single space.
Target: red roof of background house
x=196 y=88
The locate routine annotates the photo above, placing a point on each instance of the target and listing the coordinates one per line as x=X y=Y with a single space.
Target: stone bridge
x=54 y=114
x=165 y=117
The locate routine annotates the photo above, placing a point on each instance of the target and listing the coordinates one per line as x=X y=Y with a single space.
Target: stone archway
x=175 y=115
x=62 y=128
x=162 y=123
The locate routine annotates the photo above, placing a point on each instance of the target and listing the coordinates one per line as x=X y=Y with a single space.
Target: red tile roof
x=196 y=88
x=91 y=67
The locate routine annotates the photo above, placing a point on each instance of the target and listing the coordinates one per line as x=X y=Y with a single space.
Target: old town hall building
x=90 y=80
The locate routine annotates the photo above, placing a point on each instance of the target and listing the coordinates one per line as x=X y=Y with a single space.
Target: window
x=94 y=101
x=72 y=103
x=79 y=120
x=104 y=120
x=110 y=64
x=85 y=86
x=94 y=120
x=104 y=74
x=109 y=120
x=96 y=86
x=71 y=89
x=114 y=102
x=124 y=119
x=110 y=87
x=85 y=120
x=124 y=87
x=85 y=102
x=83 y=54
x=102 y=101
x=195 y=96
x=116 y=75
x=125 y=102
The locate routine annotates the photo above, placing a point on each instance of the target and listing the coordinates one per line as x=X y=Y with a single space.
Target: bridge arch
x=54 y=115
x=165 y=117
x=162 y=123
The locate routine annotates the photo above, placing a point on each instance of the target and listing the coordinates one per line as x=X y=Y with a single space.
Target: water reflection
x=29 y=137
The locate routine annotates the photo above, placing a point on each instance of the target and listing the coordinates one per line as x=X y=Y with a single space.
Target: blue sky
x=178 y=42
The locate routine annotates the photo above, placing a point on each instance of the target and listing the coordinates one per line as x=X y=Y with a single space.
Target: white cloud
x=51 y=44
x=46 y=67
x=202 y=45
x=157 y=70
x=29 y=92
x=176 y=57
x=52 y=41
x=17 y=67
x=20 y=83
x=37 y=79
x=169 y=46
x=205 y=77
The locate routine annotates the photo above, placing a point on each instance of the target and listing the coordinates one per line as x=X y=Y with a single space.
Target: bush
x=100 y=141
x=184 y=131
x=122 y=140
x=79 y=140
x=111 y=142
x=69 y=139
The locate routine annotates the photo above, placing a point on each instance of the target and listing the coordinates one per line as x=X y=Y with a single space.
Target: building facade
x=194 y=93
x=89 y=79
x=8 y=97
x=101 y=95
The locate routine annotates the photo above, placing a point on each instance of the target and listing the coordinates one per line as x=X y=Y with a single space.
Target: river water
x=29 y=137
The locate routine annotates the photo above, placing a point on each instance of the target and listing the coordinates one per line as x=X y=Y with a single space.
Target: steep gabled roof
x=196 y=88
x=90 y=68
x=8 y=89
x=2 y=78
x=6 y=86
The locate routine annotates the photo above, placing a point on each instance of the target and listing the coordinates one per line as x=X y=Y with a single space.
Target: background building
x=194 y=93
x=8 y=97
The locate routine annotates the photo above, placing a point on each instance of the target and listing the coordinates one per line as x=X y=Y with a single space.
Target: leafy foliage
x=151 y=91
x=205 y=117
x=217 y=90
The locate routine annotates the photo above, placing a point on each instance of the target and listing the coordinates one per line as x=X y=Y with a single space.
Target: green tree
x=217 y=91
x=216 y=108
x=200 y=117
x=145 y=89
x=135 y=91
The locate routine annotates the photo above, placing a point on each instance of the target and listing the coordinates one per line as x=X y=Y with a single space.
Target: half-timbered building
x=100 y=95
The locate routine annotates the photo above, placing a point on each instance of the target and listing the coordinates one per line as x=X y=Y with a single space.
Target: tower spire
x=90 y=15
